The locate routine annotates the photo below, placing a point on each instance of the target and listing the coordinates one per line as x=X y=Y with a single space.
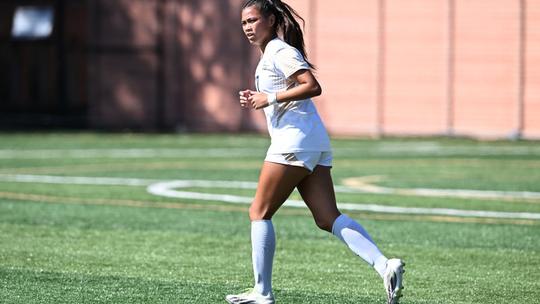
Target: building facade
x=387 y=67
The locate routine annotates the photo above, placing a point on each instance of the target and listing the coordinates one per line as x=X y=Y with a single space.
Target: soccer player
x=299 y=155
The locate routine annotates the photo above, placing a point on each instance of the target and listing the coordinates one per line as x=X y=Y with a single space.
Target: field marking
x=128 y=153
x=366 y=184
x=75 y=180
x=49 y=199
x=168 y=189
x=131 y=166
x=385 y=148
x=435 y=148
x=113 y=202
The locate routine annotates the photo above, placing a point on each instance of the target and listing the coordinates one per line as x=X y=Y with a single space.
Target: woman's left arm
x=307 y=87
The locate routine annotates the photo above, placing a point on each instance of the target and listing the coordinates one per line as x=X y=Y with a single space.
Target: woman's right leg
x=276 y=182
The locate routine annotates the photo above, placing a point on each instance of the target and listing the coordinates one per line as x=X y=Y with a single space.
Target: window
x=32 y=22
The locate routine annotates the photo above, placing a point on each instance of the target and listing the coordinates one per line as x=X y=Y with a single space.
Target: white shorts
x=308 y=160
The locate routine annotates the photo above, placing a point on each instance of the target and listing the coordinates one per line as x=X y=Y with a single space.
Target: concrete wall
x=164 y=64
x=532 y=71
x=388 y=67
x=457 y=67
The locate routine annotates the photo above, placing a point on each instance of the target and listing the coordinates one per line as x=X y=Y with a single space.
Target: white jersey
x=294 y=126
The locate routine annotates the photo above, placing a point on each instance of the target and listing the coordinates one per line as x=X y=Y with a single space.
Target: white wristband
x=272 y=99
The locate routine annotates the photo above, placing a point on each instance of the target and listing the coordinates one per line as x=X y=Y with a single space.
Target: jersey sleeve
x=289 y=61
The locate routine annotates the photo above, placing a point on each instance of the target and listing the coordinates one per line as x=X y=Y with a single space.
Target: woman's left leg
x=317 y=190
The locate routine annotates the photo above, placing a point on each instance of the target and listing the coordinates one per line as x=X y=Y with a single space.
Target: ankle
x=380 y=265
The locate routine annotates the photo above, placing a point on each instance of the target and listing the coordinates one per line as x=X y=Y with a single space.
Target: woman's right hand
x=244 y=95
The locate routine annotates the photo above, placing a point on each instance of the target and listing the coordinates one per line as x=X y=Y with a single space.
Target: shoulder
x=279 y=51
x=285 y=58
x=278 y=46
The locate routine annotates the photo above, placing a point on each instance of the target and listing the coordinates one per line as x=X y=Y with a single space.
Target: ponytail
x=286 y=22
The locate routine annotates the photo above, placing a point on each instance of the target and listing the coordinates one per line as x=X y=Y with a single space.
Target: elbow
x=317 y=90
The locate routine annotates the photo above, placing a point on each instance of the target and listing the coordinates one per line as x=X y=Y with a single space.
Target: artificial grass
x=64 y=243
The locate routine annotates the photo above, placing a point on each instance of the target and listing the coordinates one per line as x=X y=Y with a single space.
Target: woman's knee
x=325 y=220
x=259 y=212
x=324 y=223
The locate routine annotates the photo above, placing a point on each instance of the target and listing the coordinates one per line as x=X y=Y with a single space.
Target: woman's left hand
x=258 y=100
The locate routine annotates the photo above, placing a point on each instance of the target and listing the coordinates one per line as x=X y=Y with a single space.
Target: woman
x=299 y=155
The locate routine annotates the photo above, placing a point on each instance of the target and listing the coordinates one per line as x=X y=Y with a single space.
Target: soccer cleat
x=393 y=280
x=250 y=297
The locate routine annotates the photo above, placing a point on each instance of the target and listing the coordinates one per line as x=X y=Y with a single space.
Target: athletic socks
x=380 y=265
x=359 y=241
x=263 y=245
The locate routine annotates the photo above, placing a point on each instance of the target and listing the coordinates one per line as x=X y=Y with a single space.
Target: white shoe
x=250 y=297
x=393 y=280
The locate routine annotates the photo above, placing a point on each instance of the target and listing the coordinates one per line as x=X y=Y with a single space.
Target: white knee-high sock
x=263 y=245
x=359 y=241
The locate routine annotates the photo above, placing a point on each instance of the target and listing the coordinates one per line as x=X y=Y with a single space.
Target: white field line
x=168 y=189
x=127 y=153
x=409 y=148
x=75 y=180
x=434 y=148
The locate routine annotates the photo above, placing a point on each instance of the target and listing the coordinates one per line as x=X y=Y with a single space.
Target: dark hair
x=286 y=22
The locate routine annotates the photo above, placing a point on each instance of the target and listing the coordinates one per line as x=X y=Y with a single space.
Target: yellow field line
x=114 y=202
x=225 y=208
x=367 y=184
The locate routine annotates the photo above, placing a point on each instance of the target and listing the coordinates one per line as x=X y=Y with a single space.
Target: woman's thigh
x=317 y=190
x=276 y=182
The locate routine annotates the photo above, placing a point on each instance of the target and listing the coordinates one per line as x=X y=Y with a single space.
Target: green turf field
x=79 y=225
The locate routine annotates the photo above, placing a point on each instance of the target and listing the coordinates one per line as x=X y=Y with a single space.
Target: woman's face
x=257 y=28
